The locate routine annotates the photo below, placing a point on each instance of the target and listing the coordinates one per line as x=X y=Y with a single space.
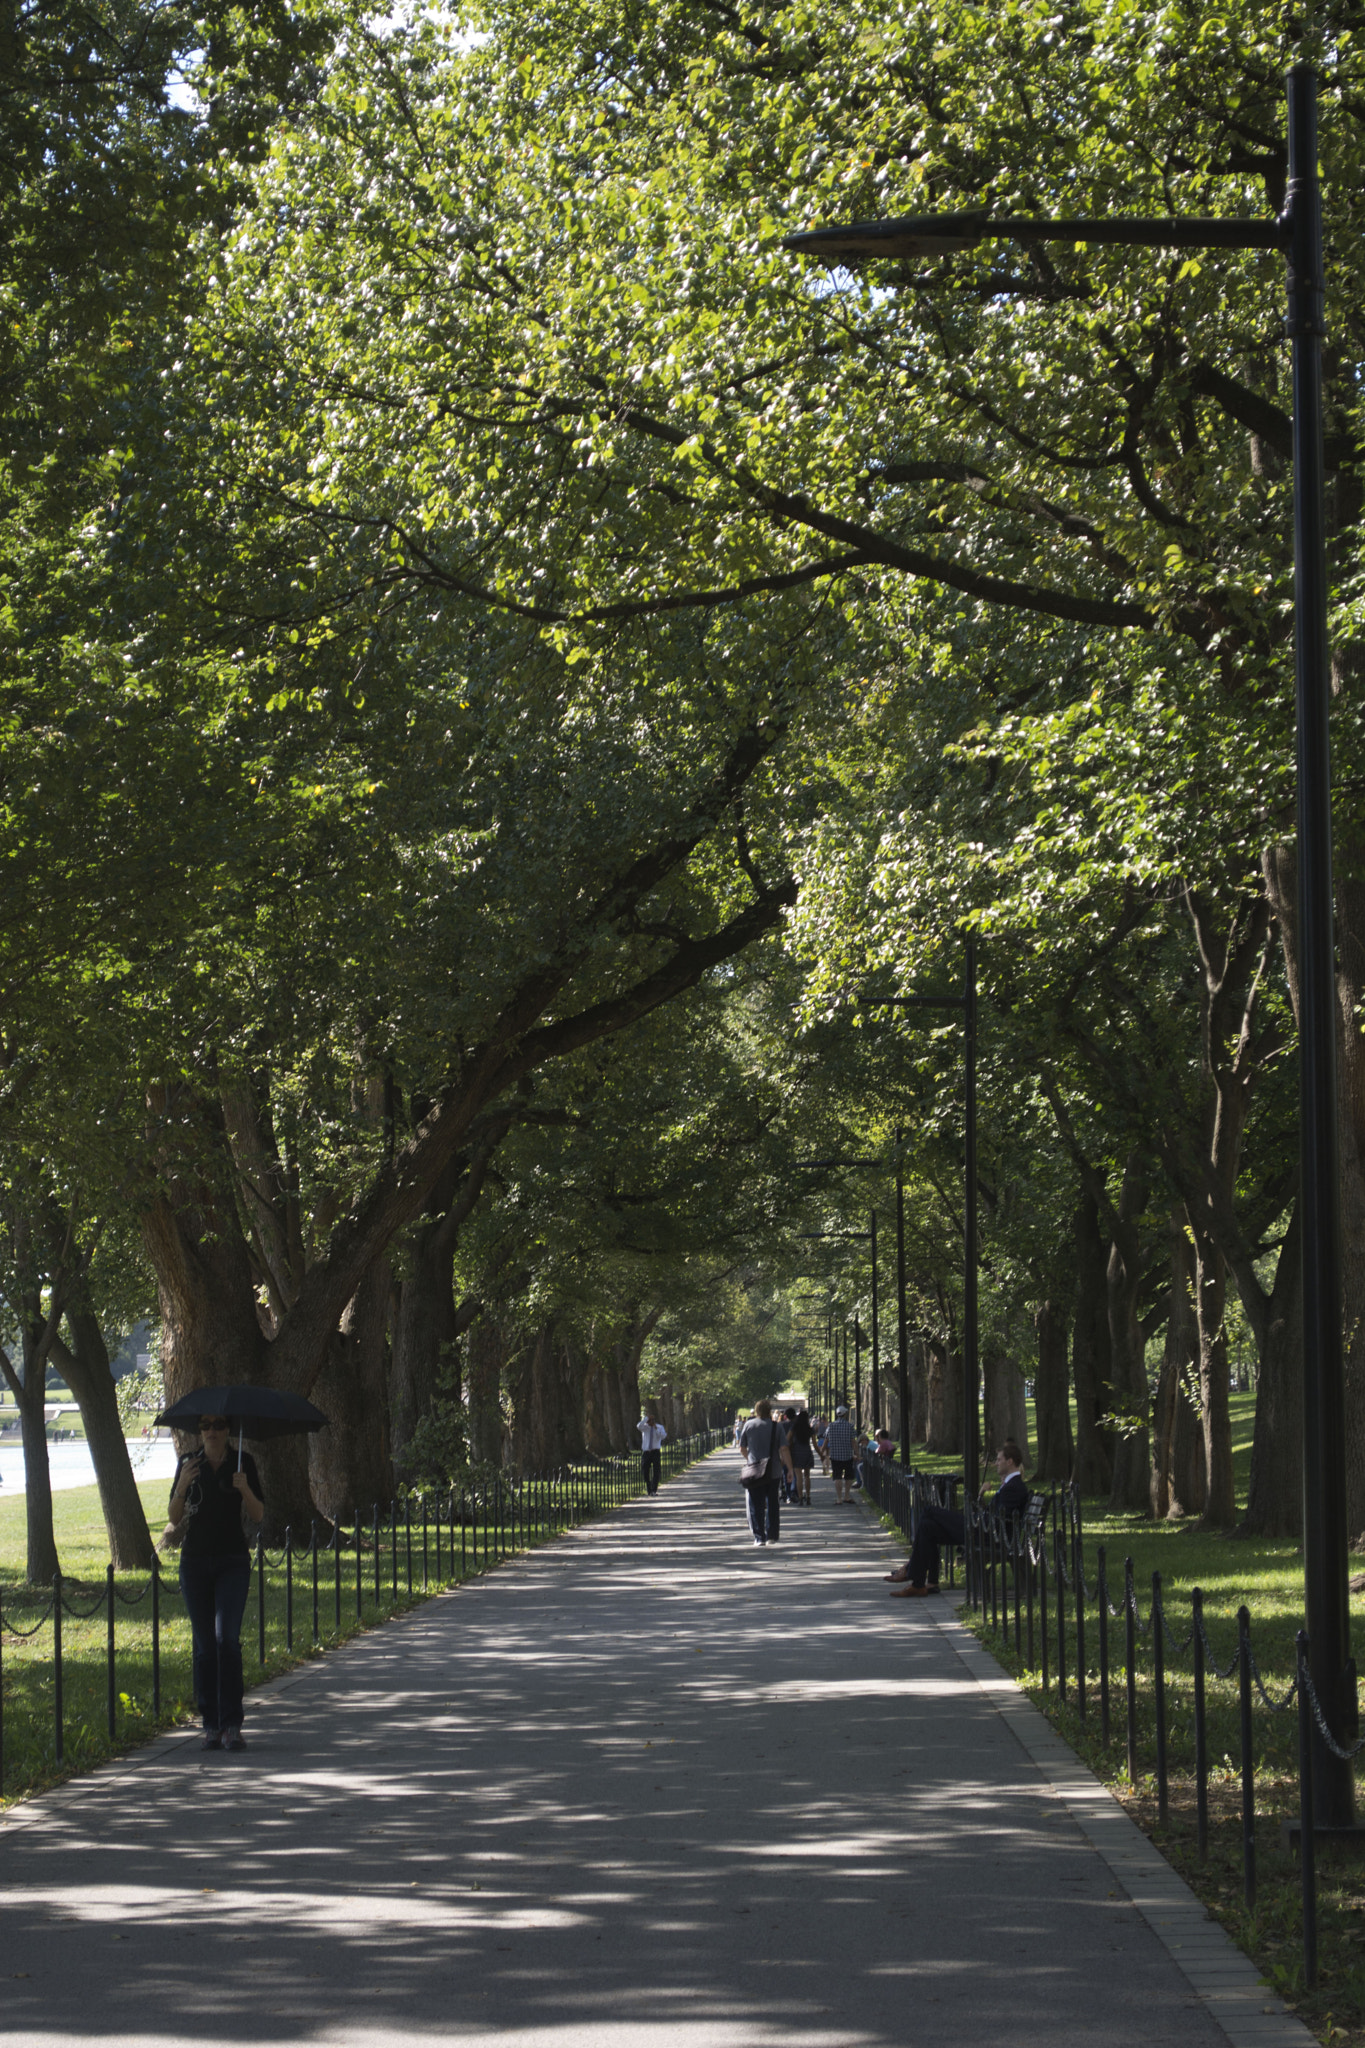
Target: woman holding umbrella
x=208 y=1496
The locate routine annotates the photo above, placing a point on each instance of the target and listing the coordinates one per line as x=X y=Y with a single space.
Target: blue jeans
x=215 y=1590
x=764 y=1505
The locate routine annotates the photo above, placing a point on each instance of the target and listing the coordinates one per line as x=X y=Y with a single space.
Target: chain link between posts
x=1329 y=1740
x=24 y=1633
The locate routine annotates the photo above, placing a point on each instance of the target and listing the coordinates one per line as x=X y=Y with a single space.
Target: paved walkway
x=649 y=1783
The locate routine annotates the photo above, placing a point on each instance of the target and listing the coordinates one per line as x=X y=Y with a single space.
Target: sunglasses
x=212 y=1422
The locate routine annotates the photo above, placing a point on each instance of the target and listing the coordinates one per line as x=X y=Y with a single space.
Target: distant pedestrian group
x=779 y=1450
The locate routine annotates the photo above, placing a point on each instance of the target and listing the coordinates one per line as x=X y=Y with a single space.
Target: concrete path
x=649 y=1784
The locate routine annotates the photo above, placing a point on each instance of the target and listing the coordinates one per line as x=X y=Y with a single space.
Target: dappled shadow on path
x=647 y=1780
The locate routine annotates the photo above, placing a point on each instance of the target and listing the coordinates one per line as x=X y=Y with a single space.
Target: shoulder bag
x=753 y=1472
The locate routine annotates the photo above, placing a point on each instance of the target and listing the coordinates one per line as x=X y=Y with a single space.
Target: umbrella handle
x=241 y=1432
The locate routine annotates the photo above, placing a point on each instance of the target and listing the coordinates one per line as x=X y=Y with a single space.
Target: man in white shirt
x=652 y=1435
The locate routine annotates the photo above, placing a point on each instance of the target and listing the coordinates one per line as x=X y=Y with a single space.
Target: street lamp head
x=925 y=234
x=944 y=234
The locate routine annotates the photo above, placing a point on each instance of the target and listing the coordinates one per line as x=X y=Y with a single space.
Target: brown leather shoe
x=899 y=1577
x=911 y=1592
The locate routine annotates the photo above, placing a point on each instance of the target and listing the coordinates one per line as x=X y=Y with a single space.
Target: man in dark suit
x=938 y=1526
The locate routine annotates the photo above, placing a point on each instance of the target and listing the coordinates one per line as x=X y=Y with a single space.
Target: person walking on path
x=208 y=1495
x=801 y=1439
x=937 y=1526
x=842 y=1446
x=763 y=1438
x=652 y=1435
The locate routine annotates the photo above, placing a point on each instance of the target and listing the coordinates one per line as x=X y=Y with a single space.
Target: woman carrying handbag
x=763 y=1447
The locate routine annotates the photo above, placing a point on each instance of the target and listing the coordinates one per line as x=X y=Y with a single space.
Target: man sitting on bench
x=937 y=1526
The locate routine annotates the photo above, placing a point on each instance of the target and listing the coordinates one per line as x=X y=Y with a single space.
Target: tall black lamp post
x=1297 y=233
x=902 y=1335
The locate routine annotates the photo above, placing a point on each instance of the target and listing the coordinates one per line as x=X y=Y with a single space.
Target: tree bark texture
x=84 y=1365
x=1177 y=1486
x=1275 y=1490
x=427 y=1324
x=423 y=1331
x=1129 y=1488
x=1091 y=1353
x=41 y=1543
x=349 y=1462
x=1281 y=881
x=944 y=1431
x=1203 y=1155
x=917 y=1365
x=484 y=1354
x=1210 y=1303
x=1051 y=1405
x=1006 y=1410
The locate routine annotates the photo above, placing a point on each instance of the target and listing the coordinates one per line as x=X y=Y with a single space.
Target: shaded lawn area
x=1231 y=1571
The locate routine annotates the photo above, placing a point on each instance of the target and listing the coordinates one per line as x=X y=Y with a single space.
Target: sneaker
x=233 y=1738
x=211 y=1739
x=759 y=1543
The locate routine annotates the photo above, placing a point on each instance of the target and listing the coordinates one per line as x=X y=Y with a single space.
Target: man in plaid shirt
x=842 y=1453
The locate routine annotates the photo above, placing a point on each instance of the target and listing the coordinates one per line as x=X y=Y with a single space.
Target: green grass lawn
x=1231 y=1571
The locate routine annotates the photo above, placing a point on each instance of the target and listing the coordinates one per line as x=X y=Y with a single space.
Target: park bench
x=999 y=1540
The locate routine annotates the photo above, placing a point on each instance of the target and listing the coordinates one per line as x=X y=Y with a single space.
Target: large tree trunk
x=1051 y=1407
x=1177 y=1484
x=1281 y=882
x=596 y=1431
x=85 y=1367
x=944 y=1434
x=212 y=1331
x=917 y=1368
x=1130 y=1488
x=423 y=1331
x=1275 y=1491
x=42 y=1560
x=1233 y=947
x=1210 y=1302
x=484 y=1353
x=1005 y=1400
x=349 y=1463
x=427 y=1325
x=1091 y=1354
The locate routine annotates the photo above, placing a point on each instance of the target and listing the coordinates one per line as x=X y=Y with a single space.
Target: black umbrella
x=257 y=1412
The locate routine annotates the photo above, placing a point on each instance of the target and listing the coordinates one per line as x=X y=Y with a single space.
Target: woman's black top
x=213 y=1508
x=801 y=1432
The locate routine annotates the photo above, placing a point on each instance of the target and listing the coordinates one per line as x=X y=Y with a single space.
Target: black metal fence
x=1030 y=1584
x=371 y=1564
